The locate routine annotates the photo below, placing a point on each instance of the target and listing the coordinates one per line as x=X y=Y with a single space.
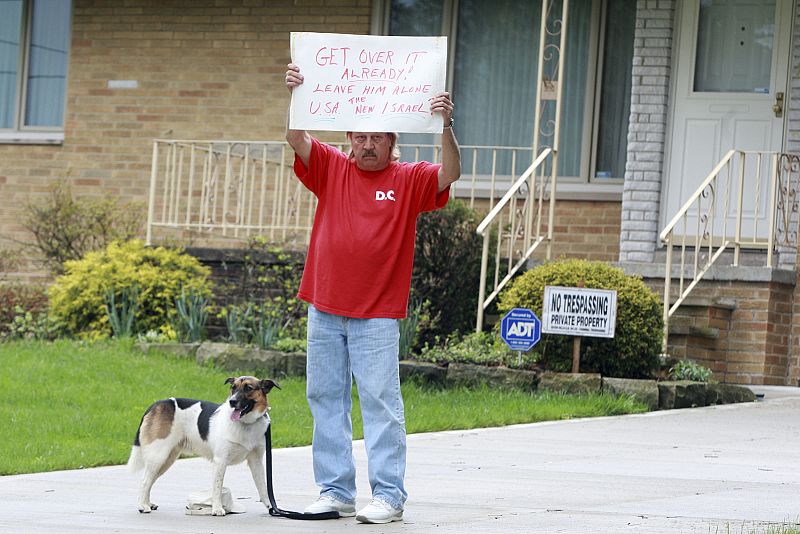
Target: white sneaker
x=379 y=511
x=329 y=503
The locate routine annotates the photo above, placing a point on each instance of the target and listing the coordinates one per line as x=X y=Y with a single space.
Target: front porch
x=218 y=194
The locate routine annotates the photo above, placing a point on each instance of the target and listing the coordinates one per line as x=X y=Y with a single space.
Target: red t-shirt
x=362 y=243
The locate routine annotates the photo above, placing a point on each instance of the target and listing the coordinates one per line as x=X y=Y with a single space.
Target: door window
x=734 y=46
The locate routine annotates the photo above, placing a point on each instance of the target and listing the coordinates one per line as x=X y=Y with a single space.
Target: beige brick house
x=655 y=94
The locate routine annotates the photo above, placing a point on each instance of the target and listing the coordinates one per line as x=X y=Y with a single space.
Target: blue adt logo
x=521 y=329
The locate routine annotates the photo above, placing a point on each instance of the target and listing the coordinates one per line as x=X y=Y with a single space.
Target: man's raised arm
x=450 y=170
x=299 y=140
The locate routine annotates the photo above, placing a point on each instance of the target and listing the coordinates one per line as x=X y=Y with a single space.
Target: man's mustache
x=368 y=153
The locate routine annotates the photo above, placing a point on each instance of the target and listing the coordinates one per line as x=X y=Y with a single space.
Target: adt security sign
x=521 y=329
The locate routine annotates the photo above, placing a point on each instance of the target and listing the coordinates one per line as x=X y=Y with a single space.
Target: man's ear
x=267 y=385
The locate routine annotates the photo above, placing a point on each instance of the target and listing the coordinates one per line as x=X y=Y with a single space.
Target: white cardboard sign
x=367 y=83
x=577 y=311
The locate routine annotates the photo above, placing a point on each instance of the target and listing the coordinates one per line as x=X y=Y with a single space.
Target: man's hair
x=394 y=150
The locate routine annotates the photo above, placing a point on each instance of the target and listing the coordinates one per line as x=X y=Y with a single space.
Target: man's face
x=371 y=150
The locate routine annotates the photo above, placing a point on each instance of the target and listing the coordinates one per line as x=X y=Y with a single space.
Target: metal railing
x=517 y=235
x=224 y=190
x=749 y=200
x=487 y=171
x=229 y=189
x=220 y=191
x=515 y=224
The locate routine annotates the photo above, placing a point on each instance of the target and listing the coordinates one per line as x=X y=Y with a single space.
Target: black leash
x=274 y=510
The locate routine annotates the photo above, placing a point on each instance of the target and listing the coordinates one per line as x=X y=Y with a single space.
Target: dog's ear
x=230 y=380
x=267 y=385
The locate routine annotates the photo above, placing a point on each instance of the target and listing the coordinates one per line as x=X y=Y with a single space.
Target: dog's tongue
x=236 y=415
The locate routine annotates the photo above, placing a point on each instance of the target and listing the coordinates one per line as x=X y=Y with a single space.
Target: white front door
x=732 y=66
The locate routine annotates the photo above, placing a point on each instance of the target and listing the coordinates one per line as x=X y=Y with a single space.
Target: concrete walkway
x=722 y=469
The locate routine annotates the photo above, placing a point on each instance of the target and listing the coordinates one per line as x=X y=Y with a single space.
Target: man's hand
x=293 y=77
x=441 y=103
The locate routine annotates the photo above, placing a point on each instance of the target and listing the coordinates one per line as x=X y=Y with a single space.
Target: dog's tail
x=136 y=462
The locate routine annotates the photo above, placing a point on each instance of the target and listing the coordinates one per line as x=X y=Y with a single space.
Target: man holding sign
x=357 y=278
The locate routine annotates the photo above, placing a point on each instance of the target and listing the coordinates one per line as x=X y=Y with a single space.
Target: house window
x=492 y=70
x=34 y=45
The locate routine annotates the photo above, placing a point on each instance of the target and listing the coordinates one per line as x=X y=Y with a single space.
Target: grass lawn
x=69 y=404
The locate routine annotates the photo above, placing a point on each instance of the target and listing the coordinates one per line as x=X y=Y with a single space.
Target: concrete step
x=693 y=331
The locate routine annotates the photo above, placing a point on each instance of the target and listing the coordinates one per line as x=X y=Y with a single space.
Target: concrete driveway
x=733 y=468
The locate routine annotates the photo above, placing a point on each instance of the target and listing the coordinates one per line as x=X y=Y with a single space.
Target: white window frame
x=33 y=135
x=583 y=187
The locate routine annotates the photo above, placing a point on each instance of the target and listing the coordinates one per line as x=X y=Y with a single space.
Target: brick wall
x=588 y=230
x=793 y=371
x=582 y=229
x=647 y=131
x=206 y=69
x=754 y=345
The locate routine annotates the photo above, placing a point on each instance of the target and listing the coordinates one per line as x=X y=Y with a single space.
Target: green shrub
x=287 y=344
x=632 y=353
x=66 y=228
x=689 y=370
x=447 y=268
x=19 y=299
x=30 y=325
x=163 y=335
x=478 y=348
x=78 y=298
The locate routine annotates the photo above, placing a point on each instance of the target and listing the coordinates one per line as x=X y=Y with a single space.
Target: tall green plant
x=252 y=325
x=192 y=315
x=409 y=326
x=266 y=331
x=121 y=310
x=237 y=322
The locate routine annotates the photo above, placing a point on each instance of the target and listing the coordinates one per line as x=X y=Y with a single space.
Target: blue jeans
x=340 y=348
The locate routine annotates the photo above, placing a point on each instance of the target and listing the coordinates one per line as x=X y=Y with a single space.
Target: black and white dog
x=225 y=434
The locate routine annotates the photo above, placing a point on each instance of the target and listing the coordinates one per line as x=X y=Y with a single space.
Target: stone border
x=272 y=363
x=656 y=395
